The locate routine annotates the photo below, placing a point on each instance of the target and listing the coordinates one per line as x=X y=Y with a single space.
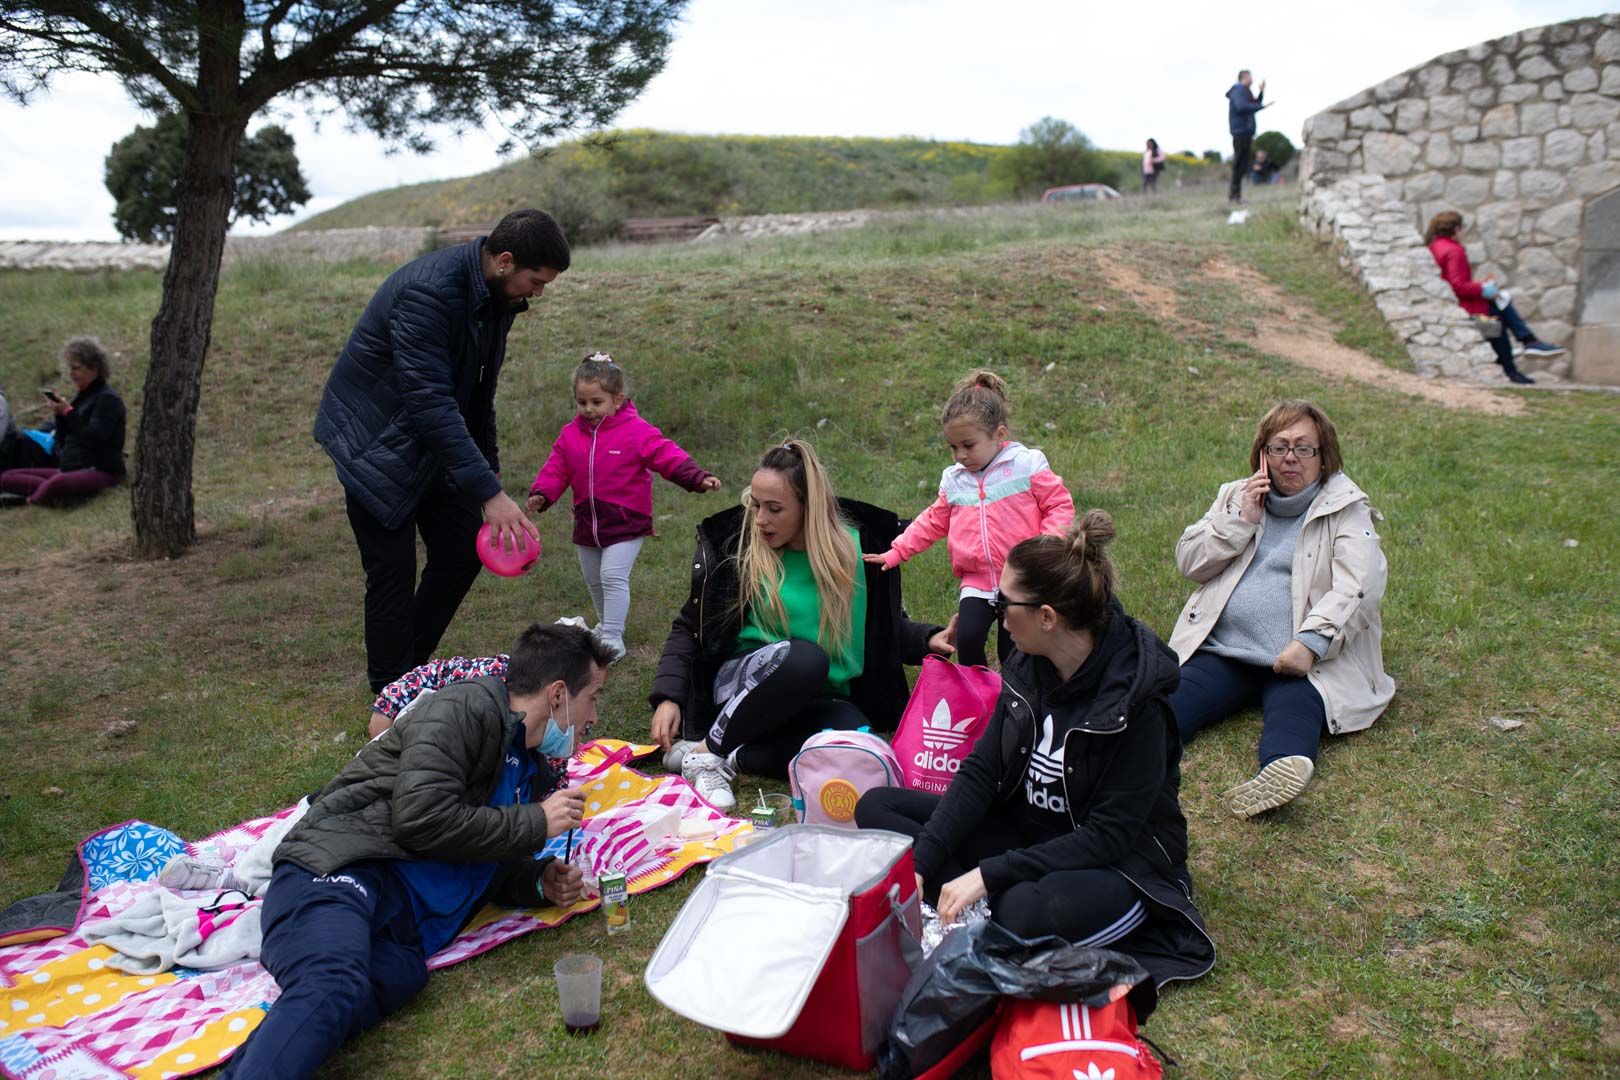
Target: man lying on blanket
x=425 y=824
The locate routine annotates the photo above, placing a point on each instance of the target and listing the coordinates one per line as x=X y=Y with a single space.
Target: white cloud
x=946 y=69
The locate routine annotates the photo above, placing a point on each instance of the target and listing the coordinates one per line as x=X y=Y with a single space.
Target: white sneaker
x=676 y=754
x=710 y=775
x=203 y=871
x=1281 y=781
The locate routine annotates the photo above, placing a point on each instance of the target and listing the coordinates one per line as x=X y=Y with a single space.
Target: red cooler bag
x=949 y=709
x=1044 y=1040
x=801 y=942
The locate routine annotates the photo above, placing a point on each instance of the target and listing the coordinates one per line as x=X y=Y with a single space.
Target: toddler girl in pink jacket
x=607 y=454
x=998 y=493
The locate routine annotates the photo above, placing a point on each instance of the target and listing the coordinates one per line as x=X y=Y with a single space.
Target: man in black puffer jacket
x=408 y=417
x=437 y=815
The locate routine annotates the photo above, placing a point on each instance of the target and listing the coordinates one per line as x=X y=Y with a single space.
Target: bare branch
x=305 y=63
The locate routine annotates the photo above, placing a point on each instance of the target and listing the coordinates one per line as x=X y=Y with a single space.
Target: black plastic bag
x=960 y=984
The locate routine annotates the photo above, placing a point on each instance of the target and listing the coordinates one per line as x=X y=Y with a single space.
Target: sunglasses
x=1000 y=604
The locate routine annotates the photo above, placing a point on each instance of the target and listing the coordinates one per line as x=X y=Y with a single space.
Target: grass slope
x=1442 y=903
x=638 y=173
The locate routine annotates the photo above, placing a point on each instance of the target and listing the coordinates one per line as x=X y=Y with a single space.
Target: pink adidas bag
x=950 y=707
x=834 y=769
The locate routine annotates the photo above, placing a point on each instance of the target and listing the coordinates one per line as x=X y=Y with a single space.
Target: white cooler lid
x=745 y=951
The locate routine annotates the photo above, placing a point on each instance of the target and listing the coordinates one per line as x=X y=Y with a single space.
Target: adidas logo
x=1046 y=764
x=939 y=733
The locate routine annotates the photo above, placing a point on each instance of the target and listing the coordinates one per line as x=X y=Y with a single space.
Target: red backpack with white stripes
x=1043 y=1040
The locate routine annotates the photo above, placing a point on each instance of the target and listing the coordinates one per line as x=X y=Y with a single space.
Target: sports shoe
x=1544 y=348
x=1278 y=782
x=676 y=754
x=202 y=871
x=711 y=775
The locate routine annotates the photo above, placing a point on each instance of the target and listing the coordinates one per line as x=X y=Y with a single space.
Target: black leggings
x=974 y=618
x=1094 y=907
x=771 y=702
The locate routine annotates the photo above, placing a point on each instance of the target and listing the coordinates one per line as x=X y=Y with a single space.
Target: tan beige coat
x=1339 y=578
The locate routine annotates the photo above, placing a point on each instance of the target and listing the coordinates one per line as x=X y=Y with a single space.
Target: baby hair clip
x=601 y=358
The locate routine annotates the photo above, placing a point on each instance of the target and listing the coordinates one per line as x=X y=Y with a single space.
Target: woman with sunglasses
x=1285 y=616
x=1066 y=815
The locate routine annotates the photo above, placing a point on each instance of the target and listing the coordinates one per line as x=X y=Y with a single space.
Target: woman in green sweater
x=786 y=632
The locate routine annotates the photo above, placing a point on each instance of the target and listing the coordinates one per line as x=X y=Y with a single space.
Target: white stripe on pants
x=607 y=576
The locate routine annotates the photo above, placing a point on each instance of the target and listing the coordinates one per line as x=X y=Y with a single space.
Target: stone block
x=1560 y=222
x=1552 y=90
x=1588 y=112
x=1500 y=123
x=1520 y=153
x=1499 y=71
x=1597 y=147
x=1585 y=78
x=1610 y=82
x=1519 y=92
x=1465 y=133
x=1538 y=118
x=1392 y=88
x=1563 y=148
x=1572 y=56
x=1425 y=185
x=1483 y=98
x=1607 y=46
x=1467 y=191
x=1597 y=355
x=1481 y=155
x=1447 y=110
x=1531 y=36
x=1568 y=251
x=1325 y=126
x=1505 y=185
x=1537 y=67
x=1561 y=33
x=1432 y=79
x=1558 y=302
x=1389 y=154
x=1439 y=152
x=1538 y=270
x=1499 y=221
x=1541 y=185
x=1370 y=118
x=1465 y=77
x=1410 y=114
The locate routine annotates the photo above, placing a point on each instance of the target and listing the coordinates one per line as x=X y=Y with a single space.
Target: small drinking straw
x=568 y=851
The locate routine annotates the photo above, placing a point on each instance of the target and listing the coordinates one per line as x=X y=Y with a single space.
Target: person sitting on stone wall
x=1483 y=298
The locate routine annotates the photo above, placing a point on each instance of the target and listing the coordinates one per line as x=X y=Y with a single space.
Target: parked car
x=1069 y=193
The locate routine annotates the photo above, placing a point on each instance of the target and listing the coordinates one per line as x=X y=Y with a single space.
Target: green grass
x=594 y=184
x=1443 y=902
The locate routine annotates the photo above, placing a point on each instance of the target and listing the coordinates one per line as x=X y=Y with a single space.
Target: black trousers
x=1094 y=906
x=1241 y=161
x=974 y=618
x=404 y=619
x=775 y=698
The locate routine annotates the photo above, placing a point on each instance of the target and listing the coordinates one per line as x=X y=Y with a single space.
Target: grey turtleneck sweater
x=1258 y=620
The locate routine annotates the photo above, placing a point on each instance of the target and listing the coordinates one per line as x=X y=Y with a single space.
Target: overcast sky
x=945 y=69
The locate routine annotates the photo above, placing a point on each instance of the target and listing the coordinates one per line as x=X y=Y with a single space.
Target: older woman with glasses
x=1285 y=616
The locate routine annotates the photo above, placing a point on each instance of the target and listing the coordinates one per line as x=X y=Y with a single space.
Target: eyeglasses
x=1304 y=453
x=999 y=604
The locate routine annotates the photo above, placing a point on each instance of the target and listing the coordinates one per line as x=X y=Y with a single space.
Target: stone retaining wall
x=1519 y=135
x=387 y=244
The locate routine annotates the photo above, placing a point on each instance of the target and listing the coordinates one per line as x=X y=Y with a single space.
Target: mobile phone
x=51 y=394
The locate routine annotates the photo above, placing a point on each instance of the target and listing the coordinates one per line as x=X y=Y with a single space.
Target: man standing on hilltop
x=408 y=417
x=1241 y=105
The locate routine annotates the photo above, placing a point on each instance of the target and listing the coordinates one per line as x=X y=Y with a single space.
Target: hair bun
x=1089 y=534
x=984 y=379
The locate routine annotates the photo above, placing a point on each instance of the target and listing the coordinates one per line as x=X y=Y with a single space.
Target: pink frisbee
x=493 y=554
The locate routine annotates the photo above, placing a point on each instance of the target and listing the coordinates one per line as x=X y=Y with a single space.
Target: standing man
x=408 y=417
x=1242 y=104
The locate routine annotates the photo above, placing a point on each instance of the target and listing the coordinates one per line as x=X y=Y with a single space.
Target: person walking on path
x=1241 y=105
x=408 y=417
x=1152 y=166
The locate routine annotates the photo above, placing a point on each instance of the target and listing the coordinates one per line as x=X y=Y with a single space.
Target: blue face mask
x=558 y=742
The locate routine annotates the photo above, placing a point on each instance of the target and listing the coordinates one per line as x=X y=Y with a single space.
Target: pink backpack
x=834 y=769
x=950 y=707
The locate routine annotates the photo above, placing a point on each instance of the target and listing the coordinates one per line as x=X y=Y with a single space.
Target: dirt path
x=1296 y=333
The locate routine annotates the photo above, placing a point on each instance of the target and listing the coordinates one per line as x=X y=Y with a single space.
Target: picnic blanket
x=66 y=1013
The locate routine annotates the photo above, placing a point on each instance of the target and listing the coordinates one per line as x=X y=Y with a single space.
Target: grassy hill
x=1443 y=902
x=594 y=184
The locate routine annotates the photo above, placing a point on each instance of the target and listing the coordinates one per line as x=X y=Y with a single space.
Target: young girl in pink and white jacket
x=607 y=454
x=998 y=493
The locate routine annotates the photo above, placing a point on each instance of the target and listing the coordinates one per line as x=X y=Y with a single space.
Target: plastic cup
x=505 y=561
x=579 y=987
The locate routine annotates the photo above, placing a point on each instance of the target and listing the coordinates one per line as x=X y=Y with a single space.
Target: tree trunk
x=162 y=509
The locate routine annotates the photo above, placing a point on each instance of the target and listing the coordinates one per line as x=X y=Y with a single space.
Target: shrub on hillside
x=1051 y=152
